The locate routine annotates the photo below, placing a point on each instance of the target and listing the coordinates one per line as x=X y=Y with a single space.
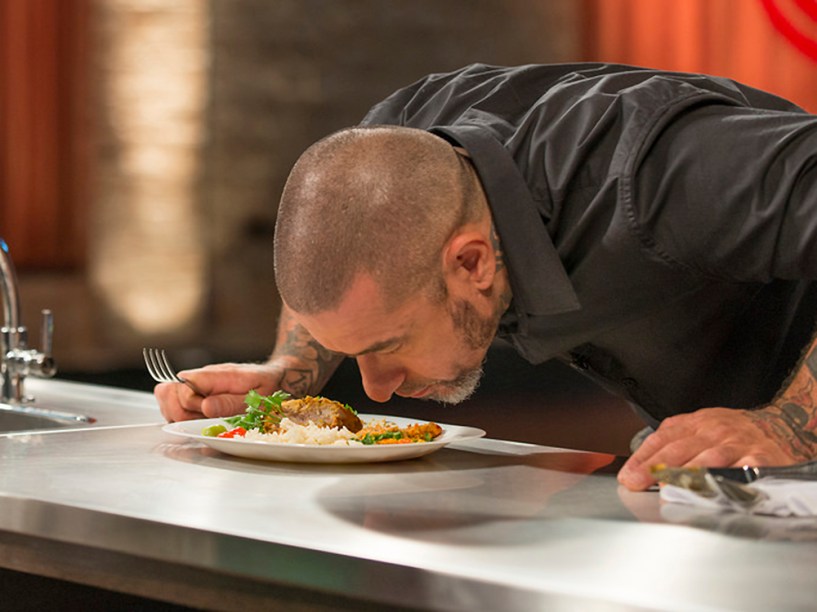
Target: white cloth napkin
x=785 y=498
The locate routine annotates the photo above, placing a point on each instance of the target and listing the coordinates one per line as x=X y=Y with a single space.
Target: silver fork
x=160 y=369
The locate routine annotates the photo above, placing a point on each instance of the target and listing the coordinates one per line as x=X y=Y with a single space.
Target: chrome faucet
x=17 y=361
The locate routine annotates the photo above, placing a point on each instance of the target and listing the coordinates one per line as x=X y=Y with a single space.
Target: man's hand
x=717 y=437
x=299 y=365
x=782 y=433
x=224 y=386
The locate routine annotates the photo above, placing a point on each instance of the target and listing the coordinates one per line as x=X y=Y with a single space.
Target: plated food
x=318 y=430
x=314 y=420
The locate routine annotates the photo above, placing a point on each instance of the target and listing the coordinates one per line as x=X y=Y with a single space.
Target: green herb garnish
x=260 y=409
x=375 y=438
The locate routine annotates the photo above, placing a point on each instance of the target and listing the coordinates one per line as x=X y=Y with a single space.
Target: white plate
x=313 y=453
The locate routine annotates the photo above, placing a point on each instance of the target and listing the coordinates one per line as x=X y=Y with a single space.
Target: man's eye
x=391 y=350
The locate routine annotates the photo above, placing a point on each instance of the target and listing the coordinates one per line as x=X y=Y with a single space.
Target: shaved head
x=376 y=200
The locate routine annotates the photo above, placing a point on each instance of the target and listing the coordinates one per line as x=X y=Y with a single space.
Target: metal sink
x=66 y=405
x=27 y=418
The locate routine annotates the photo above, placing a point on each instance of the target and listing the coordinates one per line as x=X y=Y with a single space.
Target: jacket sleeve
x=731 y=192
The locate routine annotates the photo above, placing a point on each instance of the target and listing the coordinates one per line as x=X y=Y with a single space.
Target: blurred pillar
x=148 y=248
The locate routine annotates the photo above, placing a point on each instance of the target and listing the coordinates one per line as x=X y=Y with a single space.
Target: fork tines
x=158 y=366
x=160 y=369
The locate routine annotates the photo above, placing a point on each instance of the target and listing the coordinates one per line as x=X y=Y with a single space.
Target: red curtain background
x=43 y=134
x=769 y=44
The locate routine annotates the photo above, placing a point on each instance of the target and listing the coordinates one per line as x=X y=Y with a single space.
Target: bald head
x=381 y=201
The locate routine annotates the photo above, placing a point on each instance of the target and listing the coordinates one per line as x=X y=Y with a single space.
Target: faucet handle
x=47 y=342
x=44 y=364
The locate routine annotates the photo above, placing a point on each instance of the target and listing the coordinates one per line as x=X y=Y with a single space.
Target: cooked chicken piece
x=322 y=412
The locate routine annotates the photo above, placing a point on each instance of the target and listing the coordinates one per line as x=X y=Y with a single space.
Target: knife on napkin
x=789 y=491
x=746 y=474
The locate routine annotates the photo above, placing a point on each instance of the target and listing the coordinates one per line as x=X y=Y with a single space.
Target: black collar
x=538 y=279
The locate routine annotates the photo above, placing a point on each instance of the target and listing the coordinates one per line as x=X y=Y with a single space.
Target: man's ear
x=469 y=257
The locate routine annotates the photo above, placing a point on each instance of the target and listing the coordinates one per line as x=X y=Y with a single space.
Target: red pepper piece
x=238 y=431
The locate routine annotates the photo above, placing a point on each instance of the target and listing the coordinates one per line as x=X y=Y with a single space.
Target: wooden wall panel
x=769 y=44
x=43 y=131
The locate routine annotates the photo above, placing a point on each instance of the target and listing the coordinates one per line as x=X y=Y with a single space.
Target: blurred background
x=144 y=145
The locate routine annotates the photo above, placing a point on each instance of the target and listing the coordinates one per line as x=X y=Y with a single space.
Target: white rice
x=292 y=433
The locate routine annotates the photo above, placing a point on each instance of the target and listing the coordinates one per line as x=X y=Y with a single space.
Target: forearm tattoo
x=784 y=423
x=317 y=363
x=792 y=417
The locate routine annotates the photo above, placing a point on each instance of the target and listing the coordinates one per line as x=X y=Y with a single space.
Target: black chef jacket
x=659 y=228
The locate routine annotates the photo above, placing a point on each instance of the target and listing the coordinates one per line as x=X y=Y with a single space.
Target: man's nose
x=380 y=380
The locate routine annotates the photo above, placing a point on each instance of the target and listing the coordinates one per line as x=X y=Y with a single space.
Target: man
x=655 y=230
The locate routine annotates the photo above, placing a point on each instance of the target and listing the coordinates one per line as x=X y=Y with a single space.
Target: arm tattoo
x=315 y=363
x=791 y=419
x=322 y=362
x=783 y=424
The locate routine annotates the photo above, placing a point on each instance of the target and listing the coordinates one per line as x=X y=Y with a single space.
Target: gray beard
x=458 y=390
x=476 y=332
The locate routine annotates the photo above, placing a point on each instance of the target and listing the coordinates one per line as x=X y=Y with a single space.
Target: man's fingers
x=674 y=443
x=763 y=458
x=224 y=405
x=233 y=379
x=635 y=477
x=177 y=402
x=716 y=456
x=223 y=388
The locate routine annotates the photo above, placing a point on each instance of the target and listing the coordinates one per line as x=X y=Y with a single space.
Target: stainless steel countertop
x=484 y=525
